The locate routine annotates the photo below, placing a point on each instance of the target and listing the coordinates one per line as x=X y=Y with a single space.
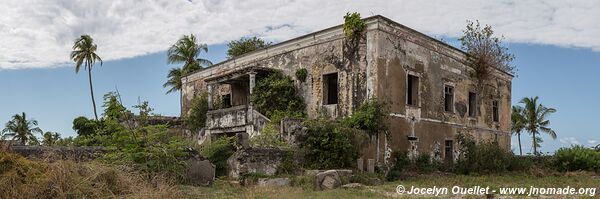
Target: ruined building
x=430 y=91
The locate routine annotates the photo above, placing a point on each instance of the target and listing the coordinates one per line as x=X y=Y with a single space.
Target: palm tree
x=50 y=138
x=186 y=50
x=84 y=53
x=518 y=123
x=21 y=129
x=535 y=119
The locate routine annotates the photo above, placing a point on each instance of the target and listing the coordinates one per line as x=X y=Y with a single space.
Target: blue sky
x=556 y=43
x=564 y=78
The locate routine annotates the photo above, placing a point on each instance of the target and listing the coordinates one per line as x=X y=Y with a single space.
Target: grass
x=225 y=189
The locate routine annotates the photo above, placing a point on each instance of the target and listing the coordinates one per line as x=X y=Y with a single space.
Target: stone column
x=250 y=114
x=210 y=96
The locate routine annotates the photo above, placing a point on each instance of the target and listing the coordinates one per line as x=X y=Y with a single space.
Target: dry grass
x=24 y=178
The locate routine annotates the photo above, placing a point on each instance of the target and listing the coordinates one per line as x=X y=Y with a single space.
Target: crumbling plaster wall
x=401 y=51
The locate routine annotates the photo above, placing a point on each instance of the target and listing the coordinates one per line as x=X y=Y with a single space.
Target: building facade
x=429 y=90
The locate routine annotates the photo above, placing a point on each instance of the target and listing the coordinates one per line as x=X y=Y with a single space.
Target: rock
x=329 y=179
x=199 y=171
x=352 y=186
x=273 y=182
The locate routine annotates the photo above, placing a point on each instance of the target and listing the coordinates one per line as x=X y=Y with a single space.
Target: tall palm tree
x=84 y=53
x=21 y=129
x=518 y=123
x=50 y=138
x=187 y=51
x=535 y=119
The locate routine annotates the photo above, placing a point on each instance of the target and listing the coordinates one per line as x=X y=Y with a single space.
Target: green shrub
x=288 y=165
x=370 y=117
x=218 y=151
x=269 y=137
x=329 y=145
x=301 y=74
x=485 y=157
x=400 y=163
x=196 y=118
x=353 y=24
x=148 y=148
x=577 y=158
x=366 y=178
x=275 y=93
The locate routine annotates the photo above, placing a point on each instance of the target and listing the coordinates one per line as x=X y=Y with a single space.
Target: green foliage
x=577 y=158
x=113 y=109
x=276 y=93
x=196 y=118
x=84 y=126
x=218 y=151
x=353 y=25
x=485 y=50
x=288 y=165
x=370 y=117
x=301 y=74
x=535 y=120
x=50 y=138
x=185 y=51
x=401 y=163
x=21 y=129
x=269 y=137
x=329 y=145
x=148 y=148
x=144 y=112
x=245 y=45
x=68 y=141
x=485 y=157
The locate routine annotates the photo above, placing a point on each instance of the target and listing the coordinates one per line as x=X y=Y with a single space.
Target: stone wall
x=263 y=161
x=59 y=153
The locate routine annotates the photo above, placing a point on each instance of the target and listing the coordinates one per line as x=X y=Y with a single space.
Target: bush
x=353 y=24
x=288 y=165
x=196 y=118
x=269 y=137
x=301 y=74
x=328 y=145
x=577 y=158
x=401 y=163
x=218 y=151
x=486 y=157
x=370 y=116
x=276 y=93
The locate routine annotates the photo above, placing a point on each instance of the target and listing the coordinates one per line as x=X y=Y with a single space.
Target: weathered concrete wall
x=59 y=153
x=262 y=161
x=400 y=51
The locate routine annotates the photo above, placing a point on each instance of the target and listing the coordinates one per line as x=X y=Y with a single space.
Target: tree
x=245 y=45
x=196 y=118
x=84 y=53
x=518 y=123
x=275 y=95
x=22 y=129
x=84 y=126
x=187 y=51
x=113 y=109
x=485 y=51
x=535 y=119
x=50 y=138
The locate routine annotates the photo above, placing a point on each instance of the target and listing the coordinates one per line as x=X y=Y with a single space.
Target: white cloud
x=569 y=141
x=39 y=33
x=592 y=142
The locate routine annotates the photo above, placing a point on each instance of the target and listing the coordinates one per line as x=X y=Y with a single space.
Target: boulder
x=199 y=171
x=273 y=182
x=263 y=161
x=329 y=179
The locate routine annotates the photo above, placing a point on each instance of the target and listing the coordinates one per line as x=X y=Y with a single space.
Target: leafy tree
x=535 y=115
x=245 y=45
x=84 y=126
x=277 y=93
x=518 y=123
x=22 y=129
x=187 y=51
x=50 y=138
x=329 y=145
x=84 y=53
x=485 y=51
x=196 y=118
x=144 y=112
x=113 y=109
